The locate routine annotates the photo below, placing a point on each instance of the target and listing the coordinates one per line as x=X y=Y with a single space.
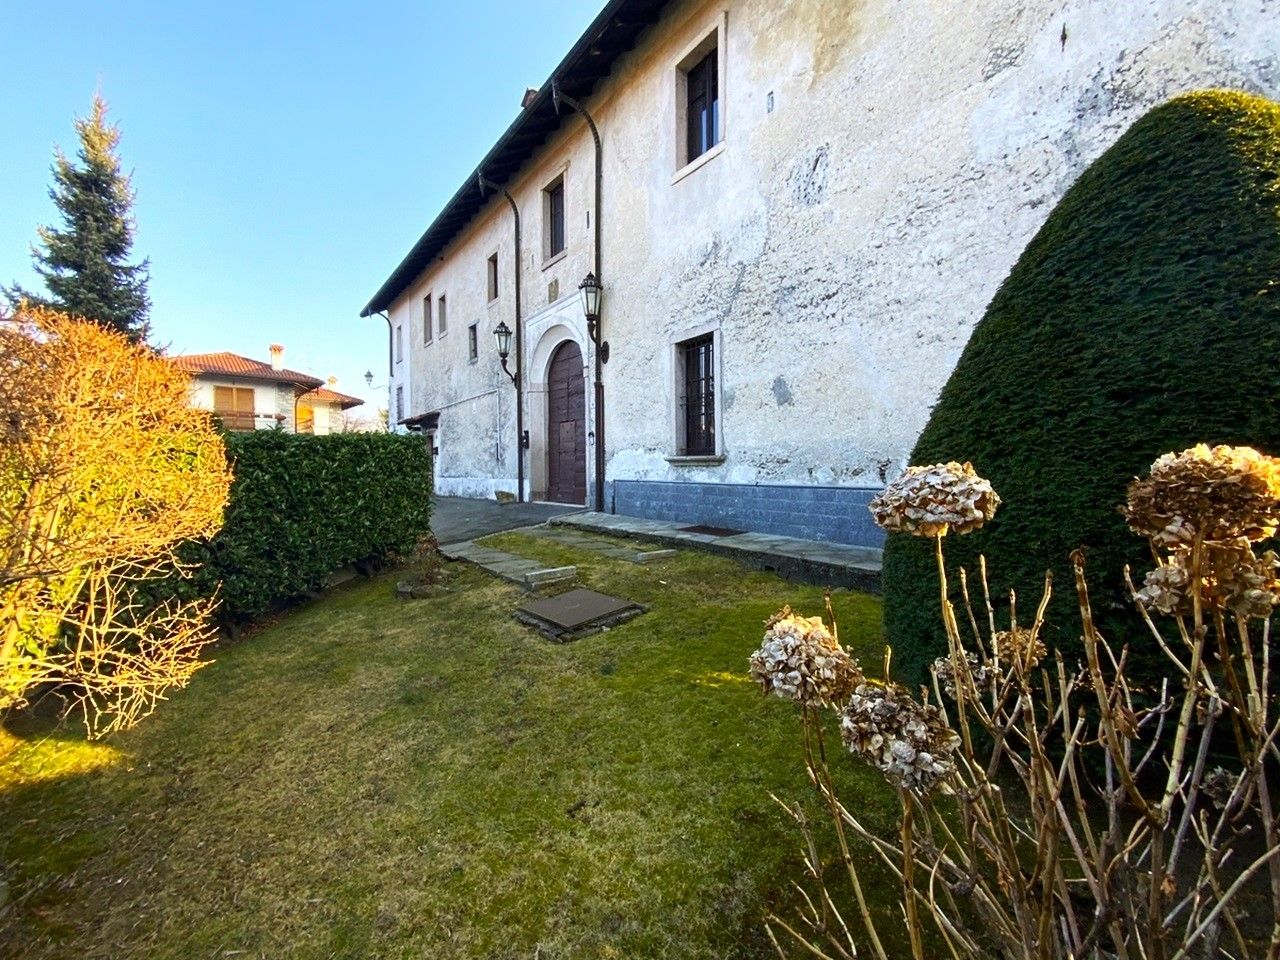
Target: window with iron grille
x=399 y=404
x=698 y=395
x=555 y=216
x=702 y=116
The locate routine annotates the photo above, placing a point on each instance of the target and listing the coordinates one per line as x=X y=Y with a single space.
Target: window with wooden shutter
x=553 y=206
x=702 y=116
x=234 y=407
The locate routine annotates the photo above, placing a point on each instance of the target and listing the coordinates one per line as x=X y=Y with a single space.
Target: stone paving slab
x=573 y=538
x=519 y=570
x=808 y=561
x=576 y=614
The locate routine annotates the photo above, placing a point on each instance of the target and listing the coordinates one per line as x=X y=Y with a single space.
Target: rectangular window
x=698 y=395
x=399 y=344
x=554 y=208
x=473 y=342
x=493 y=278
x=399 y=404
x=234 y=407
x=702 y=116
x=440 y=313
x=426 y=319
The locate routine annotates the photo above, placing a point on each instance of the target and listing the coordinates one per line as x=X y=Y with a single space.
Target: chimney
x=277 y=356
x=528 y=97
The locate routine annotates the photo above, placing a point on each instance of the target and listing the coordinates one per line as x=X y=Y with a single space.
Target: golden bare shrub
x=104 y=469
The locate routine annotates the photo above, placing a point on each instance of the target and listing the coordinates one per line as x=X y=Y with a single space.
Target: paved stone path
x=573 y=538
x=519 y=570
x=455 y=519
x=834 y=564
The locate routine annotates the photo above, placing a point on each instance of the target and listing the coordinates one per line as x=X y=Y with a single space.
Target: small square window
x=553 y=211
x=426 y=319
x=473 y=342
x=493 y=278
x=440 y=314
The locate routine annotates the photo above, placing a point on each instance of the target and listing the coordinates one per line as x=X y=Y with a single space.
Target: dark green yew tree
x=85 y=262
x=1143 y=318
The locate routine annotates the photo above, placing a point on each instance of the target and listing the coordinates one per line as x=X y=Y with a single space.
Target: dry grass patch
x=369 y=777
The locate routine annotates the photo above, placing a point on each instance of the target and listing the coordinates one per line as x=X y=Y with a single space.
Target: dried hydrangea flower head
x=1167 y=588
x=984 y=674
x=935 y=500
x=800 y=660
x=1020 y=646
x=1234 y=579
x=905 y=740
x=1218 y=493
x=1242 y=581
x=1218 y=785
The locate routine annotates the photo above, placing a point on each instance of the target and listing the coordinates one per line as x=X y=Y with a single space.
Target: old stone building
x=804 y=208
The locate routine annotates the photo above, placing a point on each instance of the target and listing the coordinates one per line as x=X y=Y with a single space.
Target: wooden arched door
x=566 y=426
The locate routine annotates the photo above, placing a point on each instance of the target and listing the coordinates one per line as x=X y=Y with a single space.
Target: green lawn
x=374 y=778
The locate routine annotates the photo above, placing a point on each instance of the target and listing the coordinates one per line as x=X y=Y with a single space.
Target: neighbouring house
x=803 y=207
x=248 y=394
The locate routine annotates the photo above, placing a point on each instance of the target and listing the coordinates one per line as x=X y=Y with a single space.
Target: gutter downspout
x=391 y=366
x=485 y=183
x=557 y=97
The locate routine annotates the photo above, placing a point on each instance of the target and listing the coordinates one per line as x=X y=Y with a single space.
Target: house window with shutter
x=234 y=406
x=699 y=82
x=702 y=106
x=553 y=215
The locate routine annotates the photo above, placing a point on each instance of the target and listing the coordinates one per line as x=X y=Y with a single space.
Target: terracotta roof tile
x=229 y=364
x=325 y=395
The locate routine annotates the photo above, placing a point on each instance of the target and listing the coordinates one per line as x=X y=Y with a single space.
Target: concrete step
x=519 y=570
x=807 y=561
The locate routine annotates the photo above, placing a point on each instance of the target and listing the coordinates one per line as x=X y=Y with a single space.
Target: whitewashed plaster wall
x=476 y=438
x=846 y=243
x=843 y=241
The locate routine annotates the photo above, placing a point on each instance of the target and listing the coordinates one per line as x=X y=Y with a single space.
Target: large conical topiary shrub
x=1143 y=317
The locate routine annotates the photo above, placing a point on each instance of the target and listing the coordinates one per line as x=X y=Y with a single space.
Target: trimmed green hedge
x=1143 y=317
x=303 y=506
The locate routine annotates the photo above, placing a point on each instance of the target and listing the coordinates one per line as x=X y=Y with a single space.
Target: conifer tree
x=85 y=263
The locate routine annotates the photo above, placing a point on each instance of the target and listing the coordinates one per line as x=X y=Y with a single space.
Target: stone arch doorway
x=566 y=426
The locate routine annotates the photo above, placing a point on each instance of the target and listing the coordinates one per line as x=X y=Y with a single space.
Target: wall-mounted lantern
x=502 y=336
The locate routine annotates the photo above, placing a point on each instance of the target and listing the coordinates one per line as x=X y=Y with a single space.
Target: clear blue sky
x=285 y=156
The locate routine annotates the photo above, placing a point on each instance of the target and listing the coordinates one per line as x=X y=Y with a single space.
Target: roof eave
x=417 y=259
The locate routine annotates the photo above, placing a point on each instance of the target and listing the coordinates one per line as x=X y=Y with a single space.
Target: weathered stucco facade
x=881 y=166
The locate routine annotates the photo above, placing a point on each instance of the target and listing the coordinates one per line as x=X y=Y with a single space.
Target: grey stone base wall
x=831 y=514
